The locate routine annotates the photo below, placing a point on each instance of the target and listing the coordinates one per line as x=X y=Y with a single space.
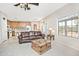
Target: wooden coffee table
x=41 y=45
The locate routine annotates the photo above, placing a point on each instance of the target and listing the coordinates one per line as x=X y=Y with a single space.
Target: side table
x=50 y=37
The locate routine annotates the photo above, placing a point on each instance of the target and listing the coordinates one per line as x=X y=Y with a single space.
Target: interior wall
x=52 y=22
x=3 y=27
x=0 y=31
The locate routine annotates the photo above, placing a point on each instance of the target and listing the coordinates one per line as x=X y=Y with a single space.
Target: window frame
x=58 y=26
x=65 y=20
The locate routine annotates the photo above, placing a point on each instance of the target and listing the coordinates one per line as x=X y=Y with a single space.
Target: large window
x=68 y=27
x=62 y=28
x=74 y=28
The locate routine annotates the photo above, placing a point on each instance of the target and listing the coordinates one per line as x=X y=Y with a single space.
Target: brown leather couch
x=26 y=37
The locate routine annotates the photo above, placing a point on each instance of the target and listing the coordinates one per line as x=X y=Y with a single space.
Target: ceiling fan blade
x=17 y=4
x=37 y=4
x=27 y=7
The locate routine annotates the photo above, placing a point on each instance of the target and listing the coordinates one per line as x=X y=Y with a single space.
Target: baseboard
x=69 y=46
x=2 y=42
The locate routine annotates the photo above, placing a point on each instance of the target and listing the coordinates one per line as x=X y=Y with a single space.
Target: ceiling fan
x=26 y=5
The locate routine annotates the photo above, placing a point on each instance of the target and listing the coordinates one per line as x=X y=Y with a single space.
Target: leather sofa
x=26 y=37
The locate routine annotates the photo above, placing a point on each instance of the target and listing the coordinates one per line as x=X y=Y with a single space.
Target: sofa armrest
x=19 y=37
x=43 y=36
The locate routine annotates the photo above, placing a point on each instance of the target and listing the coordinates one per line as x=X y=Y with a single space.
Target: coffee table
x=41 y=45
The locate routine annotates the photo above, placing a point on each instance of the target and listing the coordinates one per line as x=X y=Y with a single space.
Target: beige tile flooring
x=11 y=47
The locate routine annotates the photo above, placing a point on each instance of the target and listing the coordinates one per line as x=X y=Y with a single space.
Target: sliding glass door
x=74 y=28
x=68 y=27
x=62 y=28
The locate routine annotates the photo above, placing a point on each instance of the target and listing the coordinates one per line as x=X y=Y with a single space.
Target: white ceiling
x=36 y=12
